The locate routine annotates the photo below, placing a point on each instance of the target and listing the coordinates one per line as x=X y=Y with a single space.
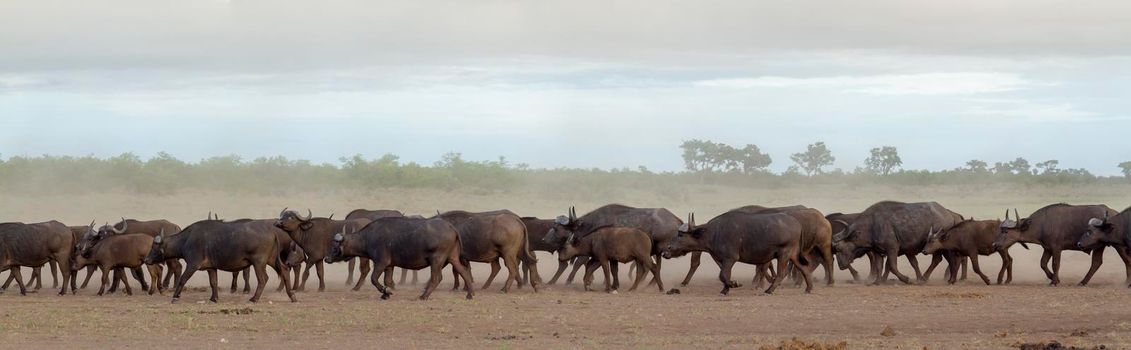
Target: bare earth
x=935 y=316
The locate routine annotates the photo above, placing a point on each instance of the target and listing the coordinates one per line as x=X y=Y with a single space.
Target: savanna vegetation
x=706 y=162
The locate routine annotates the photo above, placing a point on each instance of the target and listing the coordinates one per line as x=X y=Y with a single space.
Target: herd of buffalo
x=780 y=241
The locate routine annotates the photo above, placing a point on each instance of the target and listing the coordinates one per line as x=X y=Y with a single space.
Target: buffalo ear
x=306 y=225
x=943 y=235
x=1023 y=224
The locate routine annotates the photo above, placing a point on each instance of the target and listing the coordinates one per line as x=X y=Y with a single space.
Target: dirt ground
x=933 y=316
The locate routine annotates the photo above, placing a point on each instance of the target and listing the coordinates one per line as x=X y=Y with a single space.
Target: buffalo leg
x=562 y=265
x=978 y=269
x=320 y=266
x=14 y=271
x=260 y=279
x=1056 y=267
x=190 y=268
x=105 y=279
x=963 y=262
x=404 y=276
x=388 y=276
x=246 y=280
x=1097 y=260
x=511 y=263
x=695 y=260
x=827 y=261
x=1125 y=255
x=349 y=271
x=783 y=264
x=306 y=275
x=659 y=261
x=642 y=273
x=126 y=283
x=578 y=262
x=724 y=275
x=463 y=273
x=923 y=278
x=893 y=265
x=36 y=272
x=591 y=266
x=1045 y=257
x=155 y=279
x=437 y=269
x=235 y=282
x=364 y=270
x=297 y=270
x=490 y=278
x=89 y=272
x=606 y=268
x=806 y=273
x=212 y=274
x=614 y=267
x=54 y=277
x=139 y=275
x=656 y=274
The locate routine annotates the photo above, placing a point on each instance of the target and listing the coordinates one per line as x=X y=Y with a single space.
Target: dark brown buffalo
x=1057 y=228
x=619 y=244
x=816 y=235
x=1108 y=230
x=405 y=243
x=659 y=223
x=151 y=228
x=738 y=236
x=119 y=251
x=292 y=255
x=489 y=236
x=374 y=215
x=314 y=236
x=77 y=233
x=839 y=222
x=536 y=230
x=213 y=245
x=894 y=229
x=49 y=228
x=970 y=239
x=29 y=245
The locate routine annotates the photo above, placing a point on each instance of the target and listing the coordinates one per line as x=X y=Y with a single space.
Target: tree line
x=706 y=162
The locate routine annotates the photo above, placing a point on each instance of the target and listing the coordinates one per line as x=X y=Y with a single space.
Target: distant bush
x=164 y=174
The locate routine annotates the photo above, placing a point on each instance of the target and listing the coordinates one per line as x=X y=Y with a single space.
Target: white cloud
x=890 y=84
x=1022 y=110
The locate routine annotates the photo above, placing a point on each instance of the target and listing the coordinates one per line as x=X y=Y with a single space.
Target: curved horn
x=1007 y=214
x=572 y=213
x=125 y=225
x=92 y=225
x=309 y=215
x=331 y=216
x=284 y=212
x=209 y=215
x=692 y=224
x=1105 y=216
x=1016 y=216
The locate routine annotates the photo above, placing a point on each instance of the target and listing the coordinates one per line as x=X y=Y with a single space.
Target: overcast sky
x=569 y=83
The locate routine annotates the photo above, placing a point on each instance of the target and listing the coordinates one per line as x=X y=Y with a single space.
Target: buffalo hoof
x=1082 y=284
x=174 y=300
x=213 y=300
x=385 y=296
x=613 y=292
x=253 y=300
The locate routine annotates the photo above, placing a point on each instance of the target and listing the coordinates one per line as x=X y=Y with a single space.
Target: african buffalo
x=26 y=245
x=51 y=228
x=405 y=243
x=536 y=230
x=738 y=236
x=894 y=229
x=816 y=235
x=151 y=228
x=1114 y=231
x=659 y=223
x=619 y=244
x=971 y=238
x=117 y=251
x=213 y=245
x=374 y=215
x=77 y=233
x=489 y=236
x=1058 y=227
x=839 y=222
x=292 y=254
x=314 y=236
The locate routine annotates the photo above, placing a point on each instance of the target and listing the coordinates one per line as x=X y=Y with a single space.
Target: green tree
x=976 y=166
x=1020 y=166
x=883 y=160
x=753 y=159
x=815 y=157
x=1126 y=167
x=1048 y=167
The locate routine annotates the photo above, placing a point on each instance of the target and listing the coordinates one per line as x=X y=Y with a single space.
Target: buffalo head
x=290 y=221
x=157 y=251
x=335 y=253
x=935 y=241
x=563 y=226
x=1010 y=231
x=688 y=238
x=1100 y=231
